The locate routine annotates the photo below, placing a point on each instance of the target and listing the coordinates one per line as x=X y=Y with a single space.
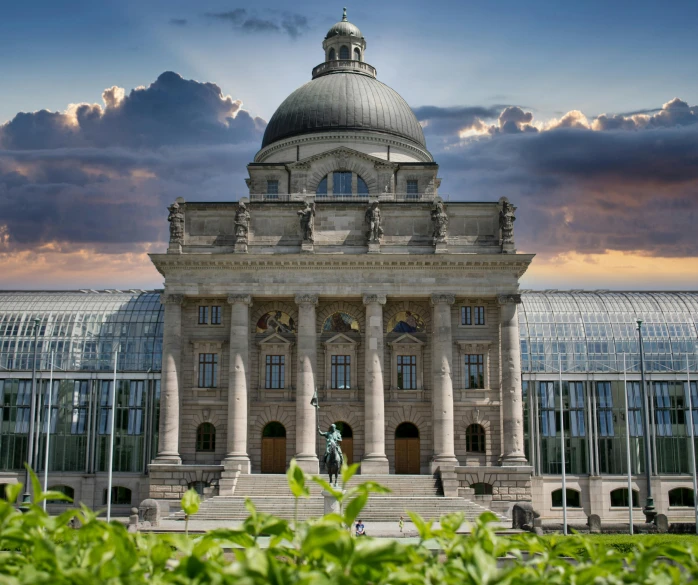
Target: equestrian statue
x=333 y=452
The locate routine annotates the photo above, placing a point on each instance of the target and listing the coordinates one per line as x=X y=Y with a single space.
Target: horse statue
x=333 y=462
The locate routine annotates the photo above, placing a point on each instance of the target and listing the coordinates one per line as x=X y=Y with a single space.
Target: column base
x=514 y=460
x=375 y=464
x=237 y=461
x=167 y=459
x=308 y=463
x=443 y=461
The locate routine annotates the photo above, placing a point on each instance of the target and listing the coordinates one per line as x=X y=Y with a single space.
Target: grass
x=625 y=543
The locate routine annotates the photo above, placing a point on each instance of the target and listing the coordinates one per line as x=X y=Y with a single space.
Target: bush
x=39 y=549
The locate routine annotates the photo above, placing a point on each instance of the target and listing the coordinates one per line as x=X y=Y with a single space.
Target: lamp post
x=649 y=510
x=26 y=498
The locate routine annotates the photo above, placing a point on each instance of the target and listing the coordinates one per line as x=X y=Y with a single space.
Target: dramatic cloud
x=291 y=23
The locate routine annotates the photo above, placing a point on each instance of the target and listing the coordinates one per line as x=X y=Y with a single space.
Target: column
x=238 y=382
x=442 y=381
x=168 y=443
x=306 y=425
x=512 y=403
x=374 y=460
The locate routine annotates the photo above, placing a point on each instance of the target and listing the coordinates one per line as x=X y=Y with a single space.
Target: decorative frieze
x=442 y=299
x=244 y=299
x=374 y=298
x=306 y=299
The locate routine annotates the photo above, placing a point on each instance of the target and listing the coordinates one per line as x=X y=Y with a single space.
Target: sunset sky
x=585 y=115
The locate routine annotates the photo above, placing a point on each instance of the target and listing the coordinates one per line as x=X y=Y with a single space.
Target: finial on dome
x=344 y=16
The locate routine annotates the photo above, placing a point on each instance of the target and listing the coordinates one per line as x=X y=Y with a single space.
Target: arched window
x=574 y=499
x=342 y=183
x=332 y=55
x=344 y=52
x=681 y=497
x=361 y=186
x=475 y=439
x=482 y=489
x=206 y=437
x=345 y=429
x=619 y=498
x=357 y=54
x=274 y=429
x=66 y=490
x=120 y=496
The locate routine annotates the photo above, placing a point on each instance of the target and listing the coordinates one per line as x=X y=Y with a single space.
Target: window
x=344 y=52
x=333 y=55
x=208 y=370
x=341 y=372
x=412 y=190
x=203 y=315
x=604 y=405
x=341 y=183
x=276 y=366
x=619 y=498
x=206 y=437
x=681 y=497
x=357 y=55
x=479 y=315
x=573 y=499
x=199 y=486
x=361 y=186
x=322 y=187
x=481 y=489
x=273 y=189
x=475 y=439
x=66 y=490
x=466 y=315
x=120 y=496
x=474 y=370
x=407 y=372
x=215 y=315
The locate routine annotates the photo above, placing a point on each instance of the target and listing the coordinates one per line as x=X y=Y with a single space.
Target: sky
x=585 y=115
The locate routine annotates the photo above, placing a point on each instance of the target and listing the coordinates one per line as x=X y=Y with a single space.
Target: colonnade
x=375 y=459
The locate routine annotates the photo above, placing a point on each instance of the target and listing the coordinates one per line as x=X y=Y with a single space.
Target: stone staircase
x=271 y=494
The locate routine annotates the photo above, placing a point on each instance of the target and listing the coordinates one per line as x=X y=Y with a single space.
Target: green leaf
x=328 y=487
x=422 y=527
x=12 y=491
x=354 y=508
x=296 y=481
x=191 y=502
x=51 y=495
x=348 y=471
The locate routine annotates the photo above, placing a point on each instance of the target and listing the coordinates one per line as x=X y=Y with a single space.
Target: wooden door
x=348 y=450
x=274 y=455
x=407 y=456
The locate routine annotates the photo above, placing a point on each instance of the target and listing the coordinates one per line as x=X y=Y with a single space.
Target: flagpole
x=627 y=448
x=693 y=444
x=562 y=444
x=111 y=437
x=48 y=428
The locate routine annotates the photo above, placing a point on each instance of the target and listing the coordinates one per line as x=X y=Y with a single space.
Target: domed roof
x=343 y=101
x=344 y=28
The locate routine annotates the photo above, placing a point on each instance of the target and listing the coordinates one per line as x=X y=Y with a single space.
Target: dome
x=343 y=101
x=344 y=28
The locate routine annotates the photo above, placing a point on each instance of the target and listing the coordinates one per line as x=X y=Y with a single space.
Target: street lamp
x=26 y=498
x=649 y=510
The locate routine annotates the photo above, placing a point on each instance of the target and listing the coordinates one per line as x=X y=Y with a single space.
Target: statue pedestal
x=174 y=248
x=331 y=503
x=440 y=247
x=241 y=247
x=374 y=247
x=307 y=247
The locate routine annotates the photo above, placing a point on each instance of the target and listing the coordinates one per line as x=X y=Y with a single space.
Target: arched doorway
x=407 y=449
x=274 y=448
x=347 y=441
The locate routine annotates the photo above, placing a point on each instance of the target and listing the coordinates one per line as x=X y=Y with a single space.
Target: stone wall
x=509 y=485
x=169 y=482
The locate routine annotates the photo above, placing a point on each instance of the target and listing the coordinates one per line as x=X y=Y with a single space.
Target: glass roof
x=83 y=329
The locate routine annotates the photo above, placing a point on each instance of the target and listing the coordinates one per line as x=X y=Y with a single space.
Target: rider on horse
x=333 y=436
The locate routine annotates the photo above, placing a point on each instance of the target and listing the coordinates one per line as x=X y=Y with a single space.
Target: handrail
x=400 y=197
x=344 y=65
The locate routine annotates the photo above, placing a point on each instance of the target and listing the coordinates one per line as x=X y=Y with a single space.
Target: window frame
x=210 y=366
x=205 y=436
x=412 y=367
x=474 y=347
x=476 y=439
x=275 y=344
x=403 y=346
x=340 y=345
x=203 y=314
x=216 y=315
x=270 y=366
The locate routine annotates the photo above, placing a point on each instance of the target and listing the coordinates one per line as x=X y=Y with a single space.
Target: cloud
x=178 y=21
x=291 y=23
x=446 y=124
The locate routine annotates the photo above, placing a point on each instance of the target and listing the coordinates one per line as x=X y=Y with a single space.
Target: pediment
x=406 y=339
x=339 y=339
x=339 y=153
x=275 y=339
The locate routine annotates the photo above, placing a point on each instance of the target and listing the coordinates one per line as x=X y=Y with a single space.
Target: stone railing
x=342 y=197
x=344 y=65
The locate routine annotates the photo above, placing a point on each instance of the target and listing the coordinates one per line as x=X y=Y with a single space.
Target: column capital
x=509 y=299
x=171 y=299
x=244 y=299
x=443 y=299
x=306 y=299
x=372 y=298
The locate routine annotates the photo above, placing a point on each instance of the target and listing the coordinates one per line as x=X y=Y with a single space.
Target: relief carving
x=443 y=299
x=176 y=219
x=509 y=299
x=440 y=219
x=506 y=221
x=373 y=218
x=306 y=299
x=242 y=224
x=380 y=299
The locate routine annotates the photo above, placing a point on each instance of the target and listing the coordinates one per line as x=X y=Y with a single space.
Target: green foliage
x=40 y=549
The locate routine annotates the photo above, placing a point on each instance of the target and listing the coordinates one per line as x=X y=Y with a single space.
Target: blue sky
x=171 y=99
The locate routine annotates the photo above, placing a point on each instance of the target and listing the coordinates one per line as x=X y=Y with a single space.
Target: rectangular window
x=341 y=372
x=576 y=409
x=272 y=189
x=466 y=315
x=275 y=373
x=474 y=371
x=479 y=315
x=341 y=183
x=412 y=190
x=407 y=372
x=208 y=370
x=604 y=408
x=203 y=315
x=215 y=315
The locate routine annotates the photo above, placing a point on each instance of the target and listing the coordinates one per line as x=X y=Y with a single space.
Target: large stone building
x=345 y=273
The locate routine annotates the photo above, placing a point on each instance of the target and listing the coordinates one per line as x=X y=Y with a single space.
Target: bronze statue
x=242 y=223
x=506 y=221
x=307 y=216
x=333 y=457
x=373 y=219
x=176 y=219
x=440 y=219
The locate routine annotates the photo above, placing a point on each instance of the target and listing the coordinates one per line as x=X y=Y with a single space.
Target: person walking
x=401 y=524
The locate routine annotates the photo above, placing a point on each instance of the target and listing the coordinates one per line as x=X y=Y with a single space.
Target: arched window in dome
x=332 y=56
x=344 y=52
x=361 y=186
x=322 y=187
x=342 y=184
x=357 y=54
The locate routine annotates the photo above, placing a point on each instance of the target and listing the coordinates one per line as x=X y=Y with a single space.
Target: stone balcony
x=344 y=65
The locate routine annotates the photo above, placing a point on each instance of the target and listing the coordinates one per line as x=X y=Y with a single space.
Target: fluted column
x=306 y=455
x=168 y=442
x=375 y=460
x=442 y=381
x=512 y=402
x=238 y=381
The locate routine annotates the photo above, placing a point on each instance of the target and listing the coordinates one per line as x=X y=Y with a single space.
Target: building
x=344 y=272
